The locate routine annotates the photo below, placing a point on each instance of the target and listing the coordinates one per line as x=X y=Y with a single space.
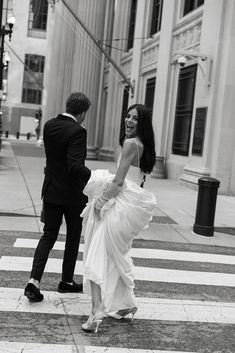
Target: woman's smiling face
x=131 y=122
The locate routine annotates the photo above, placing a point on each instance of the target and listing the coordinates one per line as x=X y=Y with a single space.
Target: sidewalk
x=21 y=177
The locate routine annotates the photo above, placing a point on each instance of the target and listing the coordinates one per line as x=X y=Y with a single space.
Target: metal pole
x=125 y=78
x=1 y=68
x=2 y=45
x=1 y=55
x=1 y=8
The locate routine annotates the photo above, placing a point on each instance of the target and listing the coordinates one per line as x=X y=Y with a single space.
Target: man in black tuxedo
x=65 y=178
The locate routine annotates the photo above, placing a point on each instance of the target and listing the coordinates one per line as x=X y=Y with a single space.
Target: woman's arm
x=129 y=154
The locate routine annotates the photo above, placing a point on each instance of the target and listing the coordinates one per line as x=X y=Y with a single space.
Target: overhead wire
x=125 y=78
x=28 y=70
x=79 y=34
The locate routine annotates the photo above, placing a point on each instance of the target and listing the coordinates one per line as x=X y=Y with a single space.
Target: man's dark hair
x=77 y=103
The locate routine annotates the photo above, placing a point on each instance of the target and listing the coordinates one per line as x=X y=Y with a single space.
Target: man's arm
x=76 y=155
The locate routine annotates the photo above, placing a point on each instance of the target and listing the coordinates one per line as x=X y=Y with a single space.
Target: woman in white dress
x=117 y=210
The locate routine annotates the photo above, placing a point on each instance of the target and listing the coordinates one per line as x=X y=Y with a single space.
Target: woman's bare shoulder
x=132 y=142
x=129 y=141
x=129 y=145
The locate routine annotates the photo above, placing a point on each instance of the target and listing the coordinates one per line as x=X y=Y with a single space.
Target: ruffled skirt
x=108 y=239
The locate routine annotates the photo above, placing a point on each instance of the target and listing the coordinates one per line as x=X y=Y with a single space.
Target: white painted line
x=94 y=349
x=15 y=263
x=19 y=347
x=182 y=256
x=147 y=253
x=20 y=263
x=187 y=277
x=32 y=243
x=12 y=299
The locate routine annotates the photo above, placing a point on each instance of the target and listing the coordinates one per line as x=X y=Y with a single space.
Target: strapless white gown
x=107 y=241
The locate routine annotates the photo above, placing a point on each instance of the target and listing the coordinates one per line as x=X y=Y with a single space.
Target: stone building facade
x=178 y=57
x=25 y=76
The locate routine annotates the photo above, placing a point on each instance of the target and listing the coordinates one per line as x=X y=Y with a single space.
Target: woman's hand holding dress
x=112 y=190
x=128 y=155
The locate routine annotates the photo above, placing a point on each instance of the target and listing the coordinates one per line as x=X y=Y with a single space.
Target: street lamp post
x=4 y=31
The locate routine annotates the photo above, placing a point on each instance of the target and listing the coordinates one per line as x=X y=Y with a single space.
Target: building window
x=33 y=79
x=190 y=5
x=184 y=110
x=149 y=95
x=38 y=15
x=156 y=16
x=199 y=131
x=131 y=31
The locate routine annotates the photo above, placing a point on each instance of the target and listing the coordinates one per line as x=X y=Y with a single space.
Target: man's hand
x=100 y=202
x=97 y=214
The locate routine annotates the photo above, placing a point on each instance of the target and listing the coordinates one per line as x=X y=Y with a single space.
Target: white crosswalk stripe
x=13 y=347
x=15 y=263
x=146 y=253
x=19 y=347
x=149 y=308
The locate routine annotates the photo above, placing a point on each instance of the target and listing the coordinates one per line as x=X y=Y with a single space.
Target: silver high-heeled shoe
x=93 y=323
x=120 y=314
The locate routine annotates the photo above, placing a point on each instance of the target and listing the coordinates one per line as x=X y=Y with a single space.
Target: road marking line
x=15 y=263
x=94 y=349
x=12 y=299
x=146 y=253
x=19 y=347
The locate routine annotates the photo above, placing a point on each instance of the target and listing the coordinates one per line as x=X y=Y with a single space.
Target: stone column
x=217 y=40
x=75 y=61
x=220 y=153
x=48 y=110
x=58 y=69
x=87 y=63
x=161 y=99
x=108 y=29
x=136 y=52
x=114 y=99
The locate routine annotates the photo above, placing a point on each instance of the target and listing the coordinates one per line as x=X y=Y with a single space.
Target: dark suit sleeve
x=76 y=155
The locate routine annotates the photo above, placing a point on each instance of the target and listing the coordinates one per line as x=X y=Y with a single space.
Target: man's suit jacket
x=65 y=174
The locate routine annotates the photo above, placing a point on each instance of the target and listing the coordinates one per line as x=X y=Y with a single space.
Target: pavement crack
x=176 y=230
x=70 y=328
x=19 y=302
x=28 y=190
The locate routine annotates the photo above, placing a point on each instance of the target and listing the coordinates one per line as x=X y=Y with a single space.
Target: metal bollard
x=206 y=203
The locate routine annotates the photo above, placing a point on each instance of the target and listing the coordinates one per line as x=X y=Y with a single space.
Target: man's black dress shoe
x=64 y=287
x=33 y=293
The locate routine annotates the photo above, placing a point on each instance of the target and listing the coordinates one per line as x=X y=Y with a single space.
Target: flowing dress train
x=108 y=240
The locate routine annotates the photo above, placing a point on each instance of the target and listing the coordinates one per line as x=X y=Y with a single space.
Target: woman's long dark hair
x=145 y=134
